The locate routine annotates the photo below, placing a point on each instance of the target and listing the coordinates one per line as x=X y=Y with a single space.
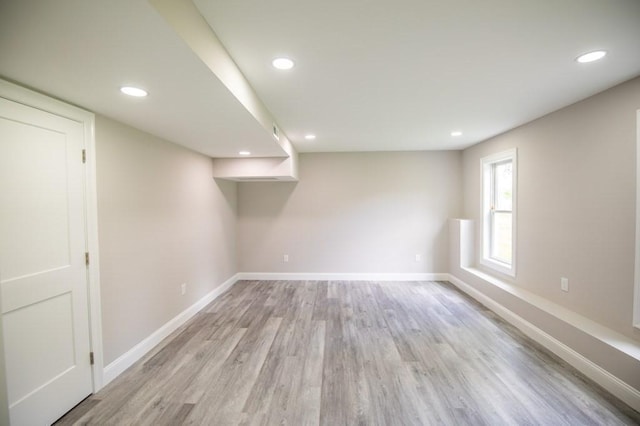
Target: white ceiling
x=83 y=51
x=369 y=75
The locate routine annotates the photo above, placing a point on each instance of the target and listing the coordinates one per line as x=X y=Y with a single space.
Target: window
x=499 y=212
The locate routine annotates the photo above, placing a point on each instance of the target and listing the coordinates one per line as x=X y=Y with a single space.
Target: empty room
x=242 y=212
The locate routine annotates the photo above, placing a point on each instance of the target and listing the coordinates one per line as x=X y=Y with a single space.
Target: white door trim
x=636 y=287
x=33 y=99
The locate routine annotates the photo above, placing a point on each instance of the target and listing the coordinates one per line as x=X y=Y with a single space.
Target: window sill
x=499 y=267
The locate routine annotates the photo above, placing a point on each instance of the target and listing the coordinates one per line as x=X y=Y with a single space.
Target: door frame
x=22 y=95
x=636 y=285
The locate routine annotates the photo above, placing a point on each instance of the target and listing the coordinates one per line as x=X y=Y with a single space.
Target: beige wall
x=163 y=220
x=576 y=204
x=352 y=213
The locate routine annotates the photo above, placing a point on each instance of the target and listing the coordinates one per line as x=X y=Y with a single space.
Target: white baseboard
x=322 y=276
x=613 y=384
x=126 y=360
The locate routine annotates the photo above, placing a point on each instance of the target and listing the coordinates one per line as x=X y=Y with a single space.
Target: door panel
x=44 y=328
x=45 y=152
x=43 y=276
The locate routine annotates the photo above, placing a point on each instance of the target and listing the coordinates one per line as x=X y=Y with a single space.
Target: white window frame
x=486 y=181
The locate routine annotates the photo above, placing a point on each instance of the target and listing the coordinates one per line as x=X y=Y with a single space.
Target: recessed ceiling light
x=244 y=153
x=310 y=137
x=591 y=56
x=134 y=91
x=282 y=63
x=456 y=133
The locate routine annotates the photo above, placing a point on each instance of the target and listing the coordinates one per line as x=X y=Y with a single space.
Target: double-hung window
x=499 y=212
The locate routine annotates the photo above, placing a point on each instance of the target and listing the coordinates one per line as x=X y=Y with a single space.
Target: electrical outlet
x=564 y=284
x=285 y=257
x=418 y=258
x=183 y=288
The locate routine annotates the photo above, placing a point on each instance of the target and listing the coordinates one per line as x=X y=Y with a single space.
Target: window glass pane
x=503 y=186
x=501 y=238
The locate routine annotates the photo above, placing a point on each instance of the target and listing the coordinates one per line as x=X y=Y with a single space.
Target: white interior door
x=43 y=276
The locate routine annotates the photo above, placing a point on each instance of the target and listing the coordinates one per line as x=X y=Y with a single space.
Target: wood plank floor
x=349 y=353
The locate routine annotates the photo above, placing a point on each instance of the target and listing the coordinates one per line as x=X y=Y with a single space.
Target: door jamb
x=636 y=286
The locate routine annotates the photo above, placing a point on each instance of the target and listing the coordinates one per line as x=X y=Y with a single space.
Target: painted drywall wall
x=163 y=221
x=352 y=213
x=576 y=201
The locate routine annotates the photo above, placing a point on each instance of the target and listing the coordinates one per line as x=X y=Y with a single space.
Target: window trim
x=486 y=190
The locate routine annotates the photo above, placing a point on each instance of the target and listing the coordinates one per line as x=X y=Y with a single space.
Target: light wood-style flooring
x=349 y=353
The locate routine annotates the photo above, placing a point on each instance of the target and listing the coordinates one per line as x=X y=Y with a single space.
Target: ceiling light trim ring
x=134 y=91
x=592 y=56
x=283 y=63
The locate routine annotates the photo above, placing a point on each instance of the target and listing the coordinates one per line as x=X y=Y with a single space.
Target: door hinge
x=84 y=155
x=91 y=358
x=86 y=258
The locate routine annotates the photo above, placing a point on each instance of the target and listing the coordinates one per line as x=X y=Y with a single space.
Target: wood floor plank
x=202 y=378
x=228 y=394
x=349 y=353
x=78 y=411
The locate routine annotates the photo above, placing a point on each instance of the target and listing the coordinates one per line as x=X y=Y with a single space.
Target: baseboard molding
x=322 y=276
x=611 y=383
x=126 y=360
